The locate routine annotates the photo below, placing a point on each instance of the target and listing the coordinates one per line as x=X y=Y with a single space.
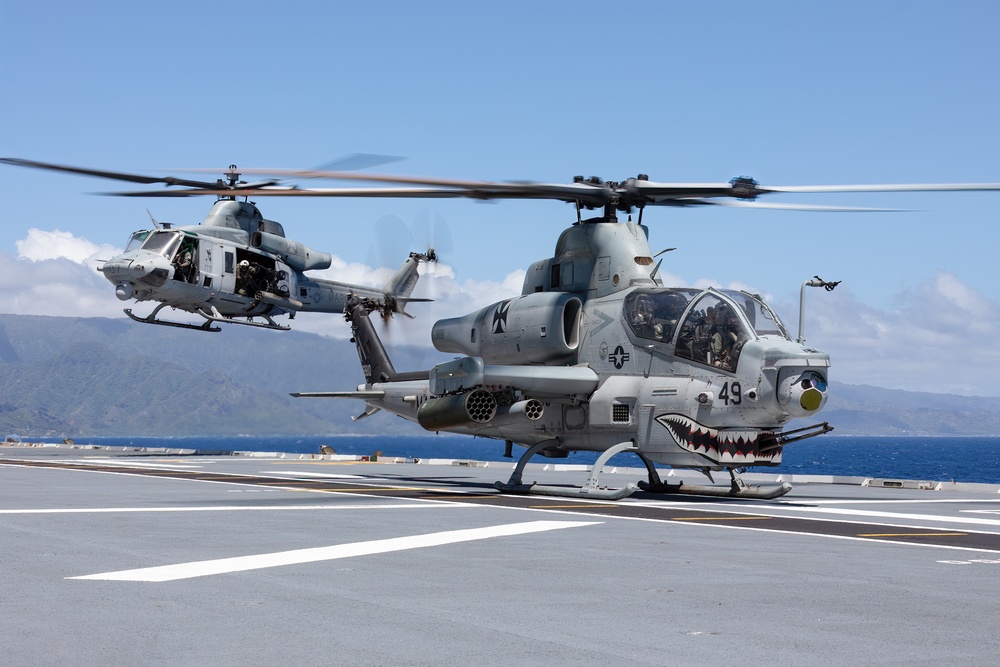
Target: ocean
x=939 y=459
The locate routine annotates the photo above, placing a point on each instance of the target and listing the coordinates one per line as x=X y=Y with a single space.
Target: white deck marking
x=322 y=475
x=244 y=563
x=430 y=504
x=878 y=514
x=132 y=463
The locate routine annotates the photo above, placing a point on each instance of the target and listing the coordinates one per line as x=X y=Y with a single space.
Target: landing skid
x=151 y=319
x=209 y=319
x=737 y=487
x=592 y=489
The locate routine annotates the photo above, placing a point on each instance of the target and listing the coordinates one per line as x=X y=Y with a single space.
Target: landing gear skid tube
x=209 y=319
x=737 y=487
x=151 y=319
x=592 y=489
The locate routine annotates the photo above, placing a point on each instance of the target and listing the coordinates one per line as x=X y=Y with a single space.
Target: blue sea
x=965 y=459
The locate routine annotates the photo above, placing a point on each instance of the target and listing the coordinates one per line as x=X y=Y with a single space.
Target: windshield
x=163 y=243
x=137 y=239
x=712 y=334
x=762 y=319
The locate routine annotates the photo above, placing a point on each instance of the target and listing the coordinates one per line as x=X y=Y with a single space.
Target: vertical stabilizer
x=375 y=362
x=401 y=285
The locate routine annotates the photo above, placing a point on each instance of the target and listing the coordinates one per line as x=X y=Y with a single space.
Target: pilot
x=668 y=310
x=184 y=264
x=642 y=316
x=703 y=330
x=725 y=340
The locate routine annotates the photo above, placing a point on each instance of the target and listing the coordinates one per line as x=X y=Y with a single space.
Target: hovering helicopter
x=597 y=354
x=235 y=264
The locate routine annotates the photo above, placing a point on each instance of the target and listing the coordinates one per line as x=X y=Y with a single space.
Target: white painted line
x=237 y=508
x=894 y=515
x=132 y=463
x=299 y=473
x=244 y=563
x=904 y=501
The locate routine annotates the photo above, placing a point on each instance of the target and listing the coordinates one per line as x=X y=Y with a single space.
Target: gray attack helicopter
x=596 y=354
x=233 y=267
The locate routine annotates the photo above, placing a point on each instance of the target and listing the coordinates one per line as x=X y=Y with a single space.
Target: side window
x=655 y=314
x=712 y=334
x=230 y=262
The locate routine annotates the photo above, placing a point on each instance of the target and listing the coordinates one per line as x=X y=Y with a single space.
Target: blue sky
x=789 y=93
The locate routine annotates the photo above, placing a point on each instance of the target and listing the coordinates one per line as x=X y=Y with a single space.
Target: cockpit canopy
x=706 y=326
x=137 y=239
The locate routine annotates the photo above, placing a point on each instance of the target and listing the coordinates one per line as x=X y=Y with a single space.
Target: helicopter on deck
x=235 y=264
x=597 y=354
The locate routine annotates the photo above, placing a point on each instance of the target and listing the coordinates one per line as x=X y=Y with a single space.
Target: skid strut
x=592 y=489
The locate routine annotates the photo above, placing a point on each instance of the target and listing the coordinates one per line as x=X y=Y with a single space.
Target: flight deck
x=118 y=556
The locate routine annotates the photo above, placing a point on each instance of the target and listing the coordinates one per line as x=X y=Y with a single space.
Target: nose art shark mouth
x=729 y=445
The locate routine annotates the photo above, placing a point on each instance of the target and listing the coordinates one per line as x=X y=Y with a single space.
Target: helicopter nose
x=128 y=269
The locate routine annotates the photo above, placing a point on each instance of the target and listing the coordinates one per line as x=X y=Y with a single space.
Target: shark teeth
x=729 y=445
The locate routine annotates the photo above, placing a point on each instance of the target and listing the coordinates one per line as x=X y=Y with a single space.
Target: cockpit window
x=163 y=243
x=712 y=334
x=762 y=318
x=137 y=239
x=654 y=314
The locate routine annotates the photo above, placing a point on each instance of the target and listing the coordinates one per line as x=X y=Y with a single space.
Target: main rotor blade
x=801 y=207
x=116 y=175
x=296 y=192
x=356 y=161
x=343 y=175
x=588 y=195
x=340 y=168
x=901 y=187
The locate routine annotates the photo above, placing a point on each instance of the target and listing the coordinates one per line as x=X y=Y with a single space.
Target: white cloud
x=450 y=298
x=41 y=245
x=939 y=337
x=54 y=287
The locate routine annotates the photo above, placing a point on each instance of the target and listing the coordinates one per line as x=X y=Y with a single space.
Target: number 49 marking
x=731 y=394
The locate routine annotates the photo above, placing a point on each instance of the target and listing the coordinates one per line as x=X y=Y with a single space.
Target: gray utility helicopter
x=235 y=264
x=598 y=355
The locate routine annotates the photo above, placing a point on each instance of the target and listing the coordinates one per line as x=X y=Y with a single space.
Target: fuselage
x=651 y=365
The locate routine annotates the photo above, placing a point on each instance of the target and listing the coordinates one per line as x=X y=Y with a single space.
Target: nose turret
x=801 y=391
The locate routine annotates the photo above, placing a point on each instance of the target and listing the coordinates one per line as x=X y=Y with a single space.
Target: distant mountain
x=63 y=376
x=867 y=410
